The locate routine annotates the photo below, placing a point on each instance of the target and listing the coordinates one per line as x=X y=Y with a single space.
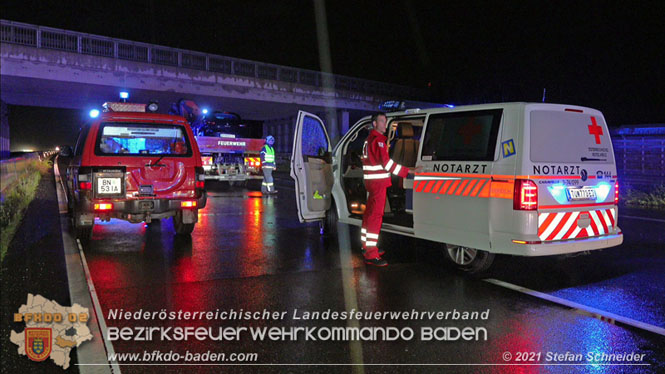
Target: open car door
x=311 y=167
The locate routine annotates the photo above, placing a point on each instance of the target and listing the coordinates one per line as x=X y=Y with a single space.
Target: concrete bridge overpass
x=42 y=66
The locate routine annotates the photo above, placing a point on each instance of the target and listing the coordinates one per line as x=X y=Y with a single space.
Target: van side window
x=80 y=142
x=462 y=136
x=314 y=138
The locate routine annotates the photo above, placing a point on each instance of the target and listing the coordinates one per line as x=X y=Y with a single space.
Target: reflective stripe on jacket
x=267 y=156
x=377 y=164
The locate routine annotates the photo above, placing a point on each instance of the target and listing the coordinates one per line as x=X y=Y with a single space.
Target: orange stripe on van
x=477 y=188
x=501 y=176
x=420 y=186
x=429 y=186
x=548 y=177
x=445 y=187
x=461 y=187
x=436 y=186
x=452 y=188
x=469 y=187
x=501 y=189
x=485 y=192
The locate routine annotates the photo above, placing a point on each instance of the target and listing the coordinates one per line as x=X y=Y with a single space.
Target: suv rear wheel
x=81 y=232
x=469 y=260
x=180 y=227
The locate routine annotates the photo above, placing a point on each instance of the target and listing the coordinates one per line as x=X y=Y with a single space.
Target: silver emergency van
x=527 y=179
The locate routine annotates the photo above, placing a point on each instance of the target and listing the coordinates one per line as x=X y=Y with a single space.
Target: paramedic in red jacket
x=377 y=167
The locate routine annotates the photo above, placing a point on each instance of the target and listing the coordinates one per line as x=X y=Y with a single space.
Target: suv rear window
x=132 y=139
x=462 y=136
x=558 y=136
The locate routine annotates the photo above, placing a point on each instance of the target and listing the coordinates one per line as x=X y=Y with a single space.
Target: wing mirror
x=66 y=151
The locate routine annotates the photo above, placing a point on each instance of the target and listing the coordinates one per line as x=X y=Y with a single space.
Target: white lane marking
x=98 y=310
x=643 y=218
x=603 y=315
x=74 y=259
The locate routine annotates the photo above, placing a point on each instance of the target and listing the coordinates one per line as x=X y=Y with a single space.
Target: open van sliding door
x=451 y=195
x=311 y=167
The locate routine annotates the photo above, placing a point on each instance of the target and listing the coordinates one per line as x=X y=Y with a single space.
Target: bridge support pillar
x=4 y=130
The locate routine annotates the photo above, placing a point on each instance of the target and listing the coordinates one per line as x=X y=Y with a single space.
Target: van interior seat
x=406 y=147
x=405 y=152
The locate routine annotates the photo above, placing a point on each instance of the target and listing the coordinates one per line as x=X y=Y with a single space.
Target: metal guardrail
x=12 y=169
x=82 y=43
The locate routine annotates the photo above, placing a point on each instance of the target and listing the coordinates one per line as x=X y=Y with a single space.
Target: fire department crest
x=37 y=343
x=51 y=331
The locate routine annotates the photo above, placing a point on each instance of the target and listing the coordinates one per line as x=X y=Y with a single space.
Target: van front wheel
x=470 y=260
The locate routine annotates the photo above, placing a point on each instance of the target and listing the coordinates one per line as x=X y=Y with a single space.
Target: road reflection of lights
x=597 y=338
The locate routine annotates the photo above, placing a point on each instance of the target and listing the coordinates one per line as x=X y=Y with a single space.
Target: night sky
x=606 y=55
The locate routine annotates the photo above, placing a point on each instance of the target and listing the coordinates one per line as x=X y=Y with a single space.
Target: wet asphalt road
x=250 y=252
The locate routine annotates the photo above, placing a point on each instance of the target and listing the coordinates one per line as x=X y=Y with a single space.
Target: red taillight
x=103 y=206
x=85 y=185
x=200 y=184
x=616 y=193
x=574 y=110
x=526 y=195
x=188 y=204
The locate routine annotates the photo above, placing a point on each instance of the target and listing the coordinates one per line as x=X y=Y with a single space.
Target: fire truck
x=230 y=147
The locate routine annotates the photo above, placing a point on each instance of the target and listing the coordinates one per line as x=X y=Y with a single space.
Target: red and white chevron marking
x=564 y=225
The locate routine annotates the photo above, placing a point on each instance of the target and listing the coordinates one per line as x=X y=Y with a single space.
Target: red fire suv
x=136 y=165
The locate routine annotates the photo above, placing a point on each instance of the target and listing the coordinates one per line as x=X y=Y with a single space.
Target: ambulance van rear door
x=571 y=163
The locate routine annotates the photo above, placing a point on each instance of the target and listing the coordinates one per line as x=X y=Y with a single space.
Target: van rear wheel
x=469 y=260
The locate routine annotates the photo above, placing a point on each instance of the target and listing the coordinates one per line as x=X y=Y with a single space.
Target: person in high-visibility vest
x=268 y=165
x=377 y=167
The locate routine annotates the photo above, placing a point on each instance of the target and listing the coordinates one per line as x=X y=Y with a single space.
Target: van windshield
x=142 y=139
x=558 y=136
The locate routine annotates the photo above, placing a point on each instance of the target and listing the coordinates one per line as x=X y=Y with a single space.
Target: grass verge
x=17 y=198
x=655 y=198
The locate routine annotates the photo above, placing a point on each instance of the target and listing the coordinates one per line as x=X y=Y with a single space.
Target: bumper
x=232 y=177
x=136 y=210
x=567 y=246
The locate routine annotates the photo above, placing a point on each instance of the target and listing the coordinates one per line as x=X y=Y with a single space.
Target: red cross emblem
x=595 y=130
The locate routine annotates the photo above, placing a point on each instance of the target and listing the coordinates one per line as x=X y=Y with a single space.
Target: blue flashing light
x=392 y=106
x=124 y=95
x=449 y=105
x=558 y=192
x=602 y=190
x=205 y=111
x=94 y=113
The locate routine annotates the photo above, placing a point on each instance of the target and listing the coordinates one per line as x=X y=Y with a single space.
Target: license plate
x=109 y=186
x=581 y=194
